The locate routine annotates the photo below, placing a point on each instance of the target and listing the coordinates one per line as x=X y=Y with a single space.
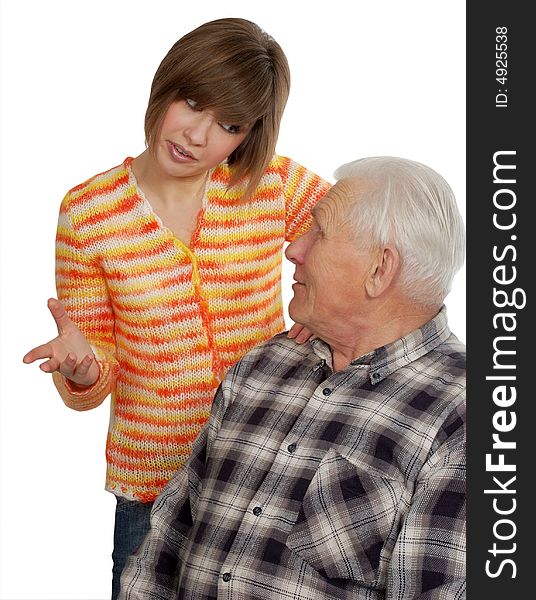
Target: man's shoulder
x=279 y=352
x=452 y=355
x=280 y=346
x=449 y=370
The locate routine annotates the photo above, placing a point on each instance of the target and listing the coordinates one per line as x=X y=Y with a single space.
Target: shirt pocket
x=348 y=521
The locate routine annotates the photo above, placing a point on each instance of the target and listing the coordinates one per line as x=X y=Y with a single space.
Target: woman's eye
x=231 y=128
x=191 y=103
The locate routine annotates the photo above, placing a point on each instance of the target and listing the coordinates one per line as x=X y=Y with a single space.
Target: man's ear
x=383 y=271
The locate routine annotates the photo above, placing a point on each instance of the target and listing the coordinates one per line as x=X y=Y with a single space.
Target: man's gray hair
x=412 y=207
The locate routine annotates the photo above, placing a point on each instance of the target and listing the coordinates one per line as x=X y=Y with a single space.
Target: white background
x=369 y=78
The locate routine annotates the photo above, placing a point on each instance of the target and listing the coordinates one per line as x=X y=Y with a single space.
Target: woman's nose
x=198 y=128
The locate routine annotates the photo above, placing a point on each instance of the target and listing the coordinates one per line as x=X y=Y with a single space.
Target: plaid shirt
x=308 y=483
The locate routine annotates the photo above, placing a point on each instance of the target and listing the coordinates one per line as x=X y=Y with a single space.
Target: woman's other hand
x=300 y=334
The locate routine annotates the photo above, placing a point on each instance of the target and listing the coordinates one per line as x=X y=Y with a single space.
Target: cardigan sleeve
x=81 y=287
x=302 y=190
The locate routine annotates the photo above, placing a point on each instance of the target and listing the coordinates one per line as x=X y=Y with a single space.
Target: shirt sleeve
x=302 y=190
x=81 y=287
x=429 y=560
x=153 y=571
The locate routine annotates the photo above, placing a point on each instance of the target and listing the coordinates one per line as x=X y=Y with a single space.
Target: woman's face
x=192 y=141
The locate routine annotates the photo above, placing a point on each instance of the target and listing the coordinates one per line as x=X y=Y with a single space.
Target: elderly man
x=335 y=469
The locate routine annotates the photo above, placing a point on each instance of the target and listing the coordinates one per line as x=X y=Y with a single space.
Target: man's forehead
x=345 y=193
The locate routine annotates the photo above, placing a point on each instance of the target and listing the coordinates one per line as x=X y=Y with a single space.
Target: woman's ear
x=383 y=271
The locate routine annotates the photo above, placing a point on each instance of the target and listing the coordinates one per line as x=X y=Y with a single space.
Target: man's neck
x=363 y=335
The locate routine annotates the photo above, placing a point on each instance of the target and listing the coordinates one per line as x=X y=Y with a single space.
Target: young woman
x=168 y=265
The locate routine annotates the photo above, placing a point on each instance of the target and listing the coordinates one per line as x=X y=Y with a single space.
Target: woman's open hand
x=69 y=353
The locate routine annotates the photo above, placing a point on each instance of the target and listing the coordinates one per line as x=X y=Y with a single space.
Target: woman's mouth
x=180 y=153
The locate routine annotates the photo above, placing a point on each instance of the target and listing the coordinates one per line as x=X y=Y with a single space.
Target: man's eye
x=315 y=228
x=191 y=103
x=231 y=128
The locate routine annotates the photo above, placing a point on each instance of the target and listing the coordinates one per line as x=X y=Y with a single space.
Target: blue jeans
x=131 y=524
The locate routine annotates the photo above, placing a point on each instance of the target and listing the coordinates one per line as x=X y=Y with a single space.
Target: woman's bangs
x=236 y=100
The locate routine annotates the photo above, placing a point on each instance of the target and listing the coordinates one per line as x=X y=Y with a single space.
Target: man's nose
x=294 y=251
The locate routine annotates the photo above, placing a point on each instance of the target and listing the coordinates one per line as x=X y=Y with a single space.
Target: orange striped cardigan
x=166 y=320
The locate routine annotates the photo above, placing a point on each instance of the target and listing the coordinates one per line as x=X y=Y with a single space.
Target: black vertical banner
x=501 y=254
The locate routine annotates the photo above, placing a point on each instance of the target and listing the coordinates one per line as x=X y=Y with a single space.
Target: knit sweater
x=166 y=320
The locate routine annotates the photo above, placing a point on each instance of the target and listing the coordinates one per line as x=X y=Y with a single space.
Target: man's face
x=330 y=268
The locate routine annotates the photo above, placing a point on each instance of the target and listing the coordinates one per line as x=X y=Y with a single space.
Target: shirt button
x=327 y=391
x=226 y=577
x=376 y=375
x=291 y=448
x=257 y=511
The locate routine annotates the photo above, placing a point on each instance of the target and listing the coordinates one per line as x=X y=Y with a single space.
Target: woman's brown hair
x=233 y=67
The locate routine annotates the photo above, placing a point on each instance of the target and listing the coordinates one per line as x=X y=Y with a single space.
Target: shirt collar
x=389 y=358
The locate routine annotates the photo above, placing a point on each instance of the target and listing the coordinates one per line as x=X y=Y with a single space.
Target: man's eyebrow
x=315 y=211
x=315 y=222
x=318 y=214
